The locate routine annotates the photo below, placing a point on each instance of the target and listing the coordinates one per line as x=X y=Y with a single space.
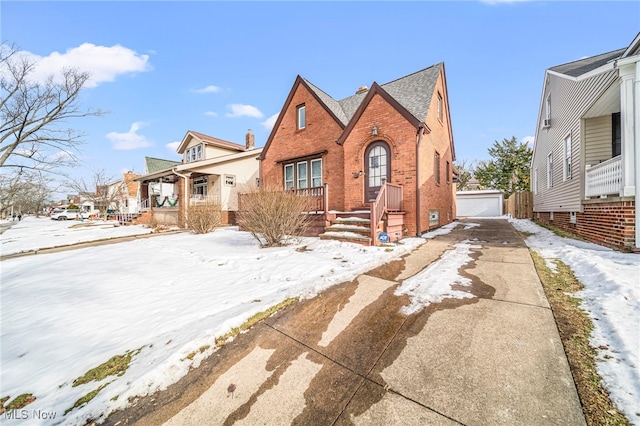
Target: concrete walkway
x=349 y=356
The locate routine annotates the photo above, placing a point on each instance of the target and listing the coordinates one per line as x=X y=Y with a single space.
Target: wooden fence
x=520 y=205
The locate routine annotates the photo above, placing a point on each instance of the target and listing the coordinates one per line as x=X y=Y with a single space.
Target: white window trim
x=293 y=176
x=550 y=170
x=301 y=117
x=306 y=178
x=567 y=158
x=295 y=182
x=547 y=112
x=315 y=160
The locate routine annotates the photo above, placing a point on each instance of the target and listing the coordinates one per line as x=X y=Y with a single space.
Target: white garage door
x=479 y=205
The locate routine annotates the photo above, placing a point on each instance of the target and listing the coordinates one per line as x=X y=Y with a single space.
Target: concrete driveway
x=349 y=356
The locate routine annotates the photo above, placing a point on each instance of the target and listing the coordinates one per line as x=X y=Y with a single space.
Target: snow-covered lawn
x=25 y=237
x=65 y=313
x=171 y=295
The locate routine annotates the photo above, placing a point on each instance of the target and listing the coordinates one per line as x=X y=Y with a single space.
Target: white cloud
x=271 y=121
x=241 y=110
x=173 y=146
x=211 y=114
x=208 y=89
x=102 y=62
x=528 y=140
x=130 y=139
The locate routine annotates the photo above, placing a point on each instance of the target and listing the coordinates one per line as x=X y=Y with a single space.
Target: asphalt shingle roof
x=157 y=164
x=413 y=92
x=583 y=66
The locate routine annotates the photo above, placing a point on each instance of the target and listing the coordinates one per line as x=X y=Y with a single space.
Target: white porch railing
x=143 y=205
x=604 y=178
x=195 y=199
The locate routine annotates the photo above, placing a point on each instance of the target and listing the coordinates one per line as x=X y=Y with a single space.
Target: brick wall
x=321 y=133
x=611 y=224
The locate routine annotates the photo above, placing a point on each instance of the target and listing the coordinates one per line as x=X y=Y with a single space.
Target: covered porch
x=609 y=148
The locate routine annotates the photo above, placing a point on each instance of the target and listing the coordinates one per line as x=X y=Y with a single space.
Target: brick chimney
x=362 y=89
x=250 y=138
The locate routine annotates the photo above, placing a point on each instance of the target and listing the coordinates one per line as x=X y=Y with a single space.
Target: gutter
x=418 y=206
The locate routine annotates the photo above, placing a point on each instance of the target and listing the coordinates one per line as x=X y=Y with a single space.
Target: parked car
x=69 y=214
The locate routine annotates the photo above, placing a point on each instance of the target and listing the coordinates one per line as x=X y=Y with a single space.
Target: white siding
x=569 y=102
x=598 y=132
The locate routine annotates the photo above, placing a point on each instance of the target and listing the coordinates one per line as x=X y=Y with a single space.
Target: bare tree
x=272 y=216
x=32 y=114
x=105 y=192
x=25 y=191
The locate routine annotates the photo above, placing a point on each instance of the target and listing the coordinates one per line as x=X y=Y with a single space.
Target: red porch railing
x=389 y=199
x=318 y=196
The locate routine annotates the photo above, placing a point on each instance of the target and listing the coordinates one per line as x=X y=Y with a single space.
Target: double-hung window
x=194 y=153
x=303 y=174
x=547 y=112
x=289 y=182
x=566 y=166
x=302 y=181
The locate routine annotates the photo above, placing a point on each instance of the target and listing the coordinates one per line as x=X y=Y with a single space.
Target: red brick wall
x=400 y=135
x=321 y=133
x=434 y=196
x=611 y=224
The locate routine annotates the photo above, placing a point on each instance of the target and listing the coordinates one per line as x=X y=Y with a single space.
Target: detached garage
x=485 y=203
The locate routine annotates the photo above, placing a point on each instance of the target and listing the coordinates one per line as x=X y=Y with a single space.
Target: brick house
x=585 y=167
x=384 y=154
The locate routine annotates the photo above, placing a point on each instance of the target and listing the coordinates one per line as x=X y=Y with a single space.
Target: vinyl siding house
x=584 y=172
x=383 y=155
x=212 y=170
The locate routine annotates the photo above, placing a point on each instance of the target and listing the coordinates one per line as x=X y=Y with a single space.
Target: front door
x=377 y=160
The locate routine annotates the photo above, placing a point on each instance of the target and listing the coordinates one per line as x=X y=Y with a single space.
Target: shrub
x=274 y=217
x=203 y=217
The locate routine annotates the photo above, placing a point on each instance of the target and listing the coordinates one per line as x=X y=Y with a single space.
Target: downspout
x=418 y=206
x=185 y=193
x=636 y=166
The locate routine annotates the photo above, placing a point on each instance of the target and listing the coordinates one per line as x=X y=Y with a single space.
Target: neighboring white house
x=212 y=170
x=584 y=171
x=123 y=194
x=481 y=203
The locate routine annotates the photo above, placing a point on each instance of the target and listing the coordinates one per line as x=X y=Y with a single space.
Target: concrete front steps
x=351 y=227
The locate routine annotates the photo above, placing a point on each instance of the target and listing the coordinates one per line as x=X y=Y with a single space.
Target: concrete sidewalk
x=349 y=356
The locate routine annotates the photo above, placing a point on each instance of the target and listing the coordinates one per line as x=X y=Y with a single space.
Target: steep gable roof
x=153 y=165
x=413 y=92
x=333 y=105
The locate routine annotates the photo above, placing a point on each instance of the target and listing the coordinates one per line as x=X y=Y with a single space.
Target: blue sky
x=220 y=68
